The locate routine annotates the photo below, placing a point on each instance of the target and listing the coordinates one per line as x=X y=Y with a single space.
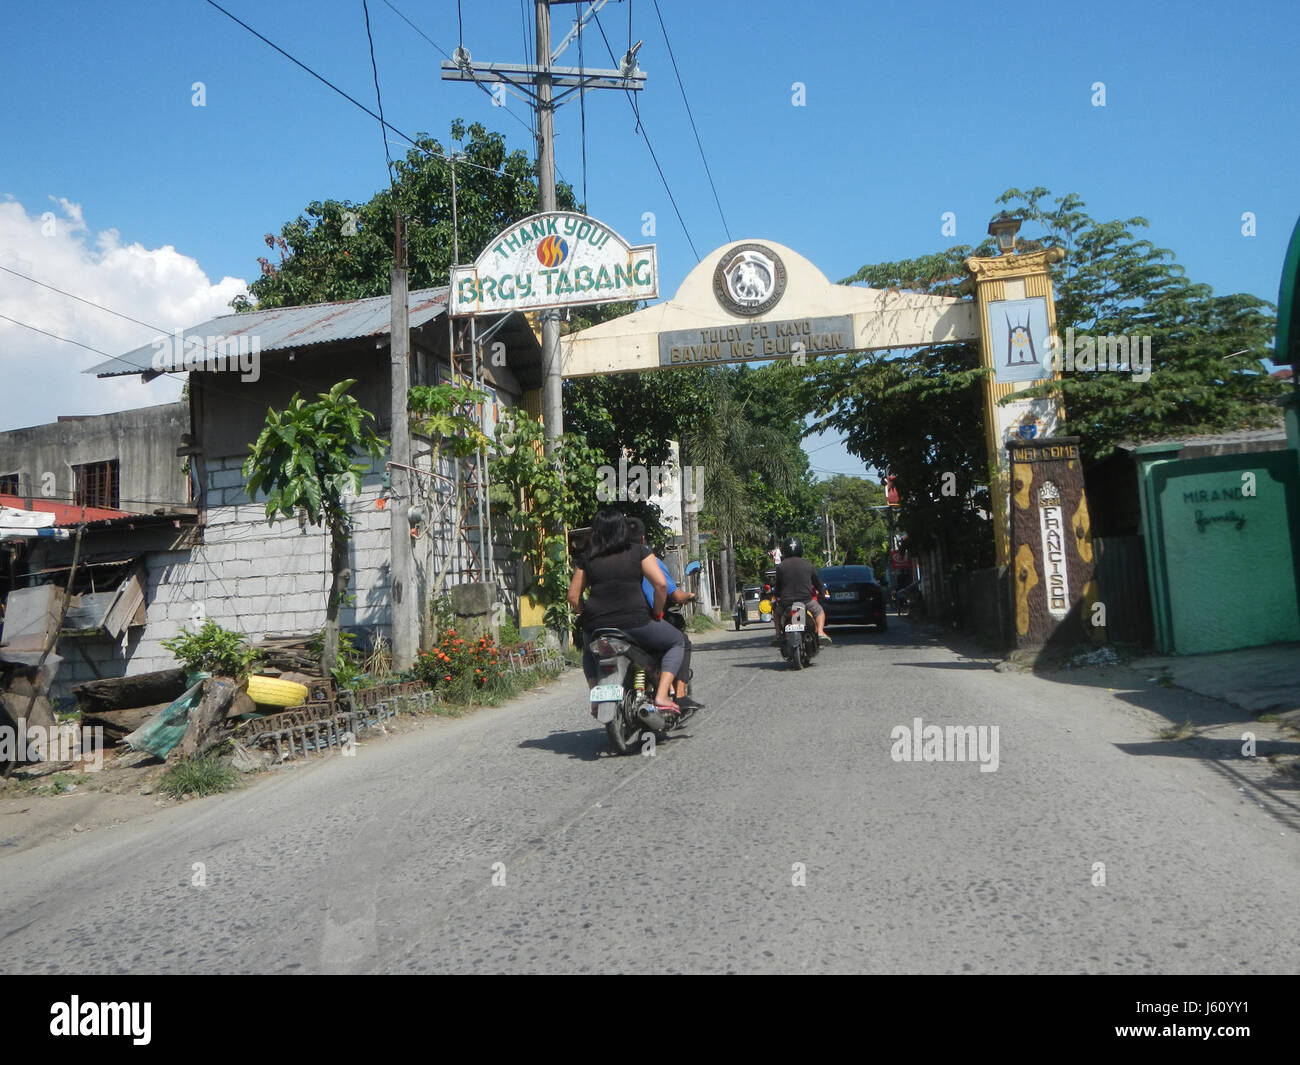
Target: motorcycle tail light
x=608 y=647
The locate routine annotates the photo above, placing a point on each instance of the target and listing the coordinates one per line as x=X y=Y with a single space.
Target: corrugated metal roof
x=281 y=328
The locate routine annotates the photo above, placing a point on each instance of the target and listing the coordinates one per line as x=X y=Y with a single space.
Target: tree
x=542 y=497
x=748 y=458
x=1206 y=350
x=441 y=415
x=861 y=533
x=305 y=459
x=340 y=250
x=919 y=414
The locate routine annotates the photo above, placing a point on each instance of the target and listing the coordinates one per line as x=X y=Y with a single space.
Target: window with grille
x=9 y=484
x=97 y=484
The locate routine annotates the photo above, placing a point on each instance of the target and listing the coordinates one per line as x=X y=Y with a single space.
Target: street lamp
x=1004 y=229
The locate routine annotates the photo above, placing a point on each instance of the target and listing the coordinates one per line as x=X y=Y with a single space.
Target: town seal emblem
x=749 y=280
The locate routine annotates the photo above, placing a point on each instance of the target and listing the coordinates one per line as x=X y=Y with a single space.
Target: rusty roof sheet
x=282 y=328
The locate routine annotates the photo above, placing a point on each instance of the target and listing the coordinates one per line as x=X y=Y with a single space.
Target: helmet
x=792 y=547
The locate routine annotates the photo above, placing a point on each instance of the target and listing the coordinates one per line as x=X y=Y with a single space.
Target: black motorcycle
x=627 y=677
x=799 y=644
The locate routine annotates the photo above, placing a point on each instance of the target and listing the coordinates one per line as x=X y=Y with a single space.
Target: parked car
x=856 y=598
x=747 y=606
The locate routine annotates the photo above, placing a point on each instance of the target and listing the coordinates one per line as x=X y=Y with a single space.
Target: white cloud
x=42 y=377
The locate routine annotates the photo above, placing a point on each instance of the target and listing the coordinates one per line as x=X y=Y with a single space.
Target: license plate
x=607 y=693
x=850 y=596
x=794 y=627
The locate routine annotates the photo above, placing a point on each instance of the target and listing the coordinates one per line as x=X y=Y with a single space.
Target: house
x=209 y=552
x=1198 y=540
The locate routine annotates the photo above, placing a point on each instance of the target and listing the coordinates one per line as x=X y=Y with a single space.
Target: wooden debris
x=117 y=724
x=129 y=693
x=205 y=729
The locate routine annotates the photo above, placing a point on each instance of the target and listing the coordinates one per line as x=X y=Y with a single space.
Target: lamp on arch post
x=1003 y=229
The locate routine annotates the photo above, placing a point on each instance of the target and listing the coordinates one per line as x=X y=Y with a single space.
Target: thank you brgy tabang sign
x=554 y=260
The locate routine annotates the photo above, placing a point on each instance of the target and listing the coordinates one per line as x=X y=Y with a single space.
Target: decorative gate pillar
x=1017 y=321
x=1052 y=585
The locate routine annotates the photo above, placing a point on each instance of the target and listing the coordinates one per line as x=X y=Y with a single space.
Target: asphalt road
x=777 y=834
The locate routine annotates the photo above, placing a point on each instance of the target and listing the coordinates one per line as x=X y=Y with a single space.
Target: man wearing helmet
x=796 y=581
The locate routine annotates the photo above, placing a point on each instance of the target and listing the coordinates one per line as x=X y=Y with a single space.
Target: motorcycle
x=627 y=677
x=799 y=642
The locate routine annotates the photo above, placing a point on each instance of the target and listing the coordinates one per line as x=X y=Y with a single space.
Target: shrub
x=458 y=665
x=213 y=650
x=508 y=635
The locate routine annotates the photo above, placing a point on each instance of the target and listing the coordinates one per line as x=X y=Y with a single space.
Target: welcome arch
x=751 y=300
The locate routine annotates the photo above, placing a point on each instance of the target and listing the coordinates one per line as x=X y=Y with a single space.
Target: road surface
x=778 y=834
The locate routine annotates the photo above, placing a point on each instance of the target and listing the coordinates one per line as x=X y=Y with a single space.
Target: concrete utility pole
x=403 y=588
x=538 y=84
x=552 y=380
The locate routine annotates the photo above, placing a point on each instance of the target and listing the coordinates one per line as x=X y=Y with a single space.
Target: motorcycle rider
x=612 y=567
x=675 y=595
x=796 y=581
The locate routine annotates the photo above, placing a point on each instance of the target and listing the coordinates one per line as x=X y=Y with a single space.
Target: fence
x=1122 y=587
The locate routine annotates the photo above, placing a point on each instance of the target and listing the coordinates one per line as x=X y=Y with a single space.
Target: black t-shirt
x=796 y=579
x=615 y=600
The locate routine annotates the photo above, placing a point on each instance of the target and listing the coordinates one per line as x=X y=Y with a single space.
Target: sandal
x=669 y=707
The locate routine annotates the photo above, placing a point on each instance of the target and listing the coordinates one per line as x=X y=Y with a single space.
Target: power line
x=379 y=100
x=351 y=99
x=532 y=129
x=126 y=317
x=725 y=228
x=645 y=135
x=79 y=299
x=55 y=336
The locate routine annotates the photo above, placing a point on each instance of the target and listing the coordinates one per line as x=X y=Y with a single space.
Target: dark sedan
x=855 y=597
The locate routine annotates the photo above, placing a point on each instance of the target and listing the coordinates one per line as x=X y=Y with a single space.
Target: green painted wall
x=1224 y=564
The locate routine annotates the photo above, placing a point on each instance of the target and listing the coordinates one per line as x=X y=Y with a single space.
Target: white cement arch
x=880 y=318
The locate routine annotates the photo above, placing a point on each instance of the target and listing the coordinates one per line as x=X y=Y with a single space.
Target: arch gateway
x=754 y=300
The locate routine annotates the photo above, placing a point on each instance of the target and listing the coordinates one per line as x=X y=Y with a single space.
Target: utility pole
x=552 y=381
x=537 y=84
x=402 y=584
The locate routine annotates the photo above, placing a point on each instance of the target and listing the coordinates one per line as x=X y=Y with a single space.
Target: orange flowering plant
x=459 y=659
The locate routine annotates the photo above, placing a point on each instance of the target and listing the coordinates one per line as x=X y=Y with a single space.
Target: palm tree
x=732 y=449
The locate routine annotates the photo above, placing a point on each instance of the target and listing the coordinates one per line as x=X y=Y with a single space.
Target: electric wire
x=174 y=374
x=347 y=96
x=640 y=128
x=379 y=99
x=530 y=126
x=725 y=228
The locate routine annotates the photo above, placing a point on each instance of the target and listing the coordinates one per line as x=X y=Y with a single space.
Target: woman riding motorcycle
x=612 y=568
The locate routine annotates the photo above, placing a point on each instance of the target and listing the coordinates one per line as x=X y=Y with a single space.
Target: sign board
x=1019 y=339
x=748 y=341
x=556 y=259
x=1051 y=520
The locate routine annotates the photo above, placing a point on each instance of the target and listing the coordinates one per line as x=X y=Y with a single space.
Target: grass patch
x=204 y=776
x=54 y=784
x=1177 y=732
x=702 y=623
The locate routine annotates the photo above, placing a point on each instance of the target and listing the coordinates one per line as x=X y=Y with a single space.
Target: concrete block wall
x=249 y=576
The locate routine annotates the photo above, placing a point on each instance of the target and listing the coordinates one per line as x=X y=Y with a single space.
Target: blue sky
x=911 y=111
